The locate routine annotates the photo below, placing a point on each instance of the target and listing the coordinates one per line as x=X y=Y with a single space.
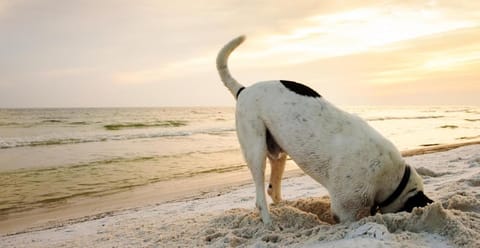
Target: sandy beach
x=219 y=212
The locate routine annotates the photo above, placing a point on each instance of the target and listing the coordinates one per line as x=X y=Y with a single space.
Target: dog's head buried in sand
x=363 y=171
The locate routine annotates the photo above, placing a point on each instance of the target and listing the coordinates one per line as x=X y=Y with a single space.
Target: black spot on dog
x=300 y=88
x=270 y=186
x=418 y=200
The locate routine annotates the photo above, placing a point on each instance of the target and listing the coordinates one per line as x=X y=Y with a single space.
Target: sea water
x=48 y=156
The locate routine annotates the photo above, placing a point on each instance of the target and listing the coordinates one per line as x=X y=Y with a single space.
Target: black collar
x=395 y=194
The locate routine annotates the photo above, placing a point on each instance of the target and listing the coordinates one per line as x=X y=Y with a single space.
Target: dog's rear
x=253 y=136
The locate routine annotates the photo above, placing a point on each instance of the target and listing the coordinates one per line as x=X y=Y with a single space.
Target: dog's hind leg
x=277 y=158
x=251 y=135
x=277 y=165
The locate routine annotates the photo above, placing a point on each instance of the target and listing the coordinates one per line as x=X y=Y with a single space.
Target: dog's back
x=314 y=133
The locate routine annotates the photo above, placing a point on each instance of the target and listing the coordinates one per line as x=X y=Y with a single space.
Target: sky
x=120 y=53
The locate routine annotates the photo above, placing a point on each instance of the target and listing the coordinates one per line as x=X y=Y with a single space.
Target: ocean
x=49 y=156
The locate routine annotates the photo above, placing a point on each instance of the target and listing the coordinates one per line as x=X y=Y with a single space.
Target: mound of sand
x=429 y=173
x=309 y=221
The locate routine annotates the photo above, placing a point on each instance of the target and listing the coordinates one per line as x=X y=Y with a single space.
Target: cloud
x=436 y=56
x=5 y=7
x=454 y=60
x=163 y=72
x=357 y=30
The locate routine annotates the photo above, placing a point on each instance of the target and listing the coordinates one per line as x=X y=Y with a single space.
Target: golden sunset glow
x=355 y=51
x=453 y=61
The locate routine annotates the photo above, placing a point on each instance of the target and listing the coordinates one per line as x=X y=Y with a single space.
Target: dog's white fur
x=357 y=165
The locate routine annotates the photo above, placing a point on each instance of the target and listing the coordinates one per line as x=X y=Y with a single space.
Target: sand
x=228 y=218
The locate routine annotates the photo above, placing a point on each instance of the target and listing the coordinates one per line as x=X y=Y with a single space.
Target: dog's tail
x=222 y=58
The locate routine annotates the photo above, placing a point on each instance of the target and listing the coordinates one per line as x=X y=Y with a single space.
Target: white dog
x=362 y=170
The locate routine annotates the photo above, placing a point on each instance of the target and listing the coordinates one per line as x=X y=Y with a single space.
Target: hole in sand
x=319 y=206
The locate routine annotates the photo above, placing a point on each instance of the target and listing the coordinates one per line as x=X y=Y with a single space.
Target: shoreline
x=437 y=148
x=82 y=209
x=199 y=187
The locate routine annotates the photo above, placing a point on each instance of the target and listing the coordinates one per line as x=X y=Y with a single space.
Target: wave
x=64 y=141
x=60 y=141
x=13 y=202
x=116 y=160
x=6 y=124
x=468 y=111
x=449 y=126
x=405 y=118
x=130 y=125
x=100 y=186
x=430 y=144
x=52 y=121
x=55 y=199
x=468 y=137
x=219 y=170
x=110 y=127
x=42 y=123
x=48 y=141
